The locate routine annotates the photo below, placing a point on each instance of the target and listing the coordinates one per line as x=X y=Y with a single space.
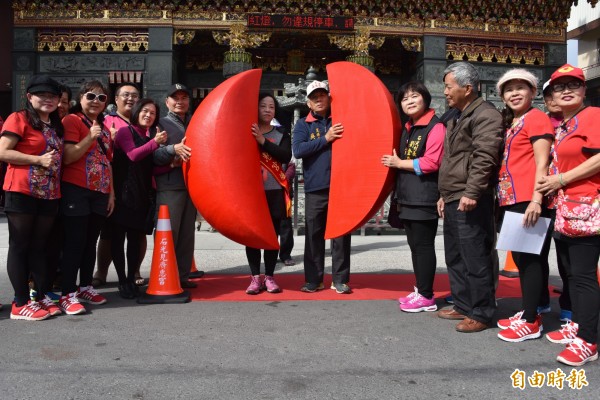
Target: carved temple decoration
x=183 y=36
x=495 y=51
x=541 y=19
x=237 y=59
x=92 y=40
x=238 y=38
x=360 y=44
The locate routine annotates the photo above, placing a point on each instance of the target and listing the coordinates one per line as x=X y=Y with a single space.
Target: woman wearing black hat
x=31 y=143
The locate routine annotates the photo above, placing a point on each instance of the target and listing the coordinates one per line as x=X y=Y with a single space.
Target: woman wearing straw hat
x=528 y=137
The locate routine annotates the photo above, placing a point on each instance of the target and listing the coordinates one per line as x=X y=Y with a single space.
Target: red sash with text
x=275 y=169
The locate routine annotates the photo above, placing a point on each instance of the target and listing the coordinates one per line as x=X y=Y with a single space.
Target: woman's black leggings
x=134 y=242
x=27 y=236
x=79 y=253
x=420 y=236
x=253 y=256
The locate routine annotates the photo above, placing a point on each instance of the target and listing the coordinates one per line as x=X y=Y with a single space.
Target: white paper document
x=515 y=237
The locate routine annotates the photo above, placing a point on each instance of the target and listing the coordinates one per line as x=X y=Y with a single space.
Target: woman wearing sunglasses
x=88 y=197
x=31 y=143
x=577 y=227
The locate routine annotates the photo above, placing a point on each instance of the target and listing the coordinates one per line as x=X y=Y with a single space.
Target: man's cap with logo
x=316 y=85
x=178 y=87
x=43 y=83
x=567 y=70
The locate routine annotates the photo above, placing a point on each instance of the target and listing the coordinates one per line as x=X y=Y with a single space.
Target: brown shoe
x=450 y=313
x=469 y=325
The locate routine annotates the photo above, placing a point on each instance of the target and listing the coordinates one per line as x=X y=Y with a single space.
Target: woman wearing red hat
x=577 y=228
x=527 y=140
x=32 y=145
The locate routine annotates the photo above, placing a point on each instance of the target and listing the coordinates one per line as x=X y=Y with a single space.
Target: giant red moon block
x=359 y=182
x=223 y=175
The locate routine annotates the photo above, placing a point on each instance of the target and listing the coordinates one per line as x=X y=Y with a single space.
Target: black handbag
x=393 y=216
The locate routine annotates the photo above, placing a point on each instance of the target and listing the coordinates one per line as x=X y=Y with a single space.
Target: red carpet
x=364 y=286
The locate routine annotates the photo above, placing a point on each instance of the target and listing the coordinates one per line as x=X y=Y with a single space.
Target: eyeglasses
x=128 y=95
x=89 y=96
x=571 y=85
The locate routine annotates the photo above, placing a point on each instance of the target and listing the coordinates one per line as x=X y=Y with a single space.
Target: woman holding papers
x=577 y=229
x=528 y=137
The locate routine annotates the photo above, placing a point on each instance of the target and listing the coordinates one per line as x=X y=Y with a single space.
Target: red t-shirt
x=516 y=178
x=92 y=170
x=576 y=141
x=33 y=180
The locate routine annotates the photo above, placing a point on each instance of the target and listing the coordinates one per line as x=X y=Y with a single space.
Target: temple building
x=200 y=43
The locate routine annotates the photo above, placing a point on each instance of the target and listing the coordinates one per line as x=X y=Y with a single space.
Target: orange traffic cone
x=164 y=286
x=194 y=273
x=510 y=268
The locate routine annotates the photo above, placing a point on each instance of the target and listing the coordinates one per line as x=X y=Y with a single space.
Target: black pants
x=134 y=243
x=316 y=206
x=533 y=270
x=79 y=252
x=27 y=235
x=286 y=239
x=253 y=256
x=421 y=240
x=468 y=243
x=580 y=258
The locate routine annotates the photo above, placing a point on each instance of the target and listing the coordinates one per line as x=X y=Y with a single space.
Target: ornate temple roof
x=472 y=18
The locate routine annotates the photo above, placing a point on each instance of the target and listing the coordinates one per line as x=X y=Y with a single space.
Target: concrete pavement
x=271 y=350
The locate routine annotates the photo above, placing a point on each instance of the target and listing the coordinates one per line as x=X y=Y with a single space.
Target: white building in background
x=584 y=26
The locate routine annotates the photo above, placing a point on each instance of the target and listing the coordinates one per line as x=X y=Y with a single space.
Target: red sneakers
x=578 y=353
x=505 y=323
x=29 y=312
x=520 y=330
x=70 y=304
x=48 y=305
x=565 y=335
x=88 y=294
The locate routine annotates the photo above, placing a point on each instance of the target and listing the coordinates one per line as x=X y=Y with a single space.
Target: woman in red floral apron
x=577 y=228
x=88 y=196
x=32 y=145
x=527 y=141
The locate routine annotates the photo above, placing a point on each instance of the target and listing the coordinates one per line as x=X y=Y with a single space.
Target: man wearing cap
x=170 y=186
x=466 y=183
x=311 y=142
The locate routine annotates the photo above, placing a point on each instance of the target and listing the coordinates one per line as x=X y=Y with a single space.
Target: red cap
x=567 y=70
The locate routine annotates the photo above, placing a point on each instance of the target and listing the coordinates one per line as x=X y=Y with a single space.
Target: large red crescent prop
x=223 y=175
x=359 y=182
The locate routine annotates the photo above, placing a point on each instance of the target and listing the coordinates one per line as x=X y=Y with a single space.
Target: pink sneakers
x=578 y=353
x=418 y=303
x=70 y=304
x=271 y=285
x=255 y=285
x=520 y=330
x=29 y=312
x=88 y=294
x=565 y=335
x=406 y=299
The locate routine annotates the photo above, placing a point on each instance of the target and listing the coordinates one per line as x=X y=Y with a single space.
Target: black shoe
x=188 y=285
x=196 y=274
x=134 y=289
x=125 y=291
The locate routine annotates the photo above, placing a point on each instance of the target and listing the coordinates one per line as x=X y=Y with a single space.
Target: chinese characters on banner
x=300 y=22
